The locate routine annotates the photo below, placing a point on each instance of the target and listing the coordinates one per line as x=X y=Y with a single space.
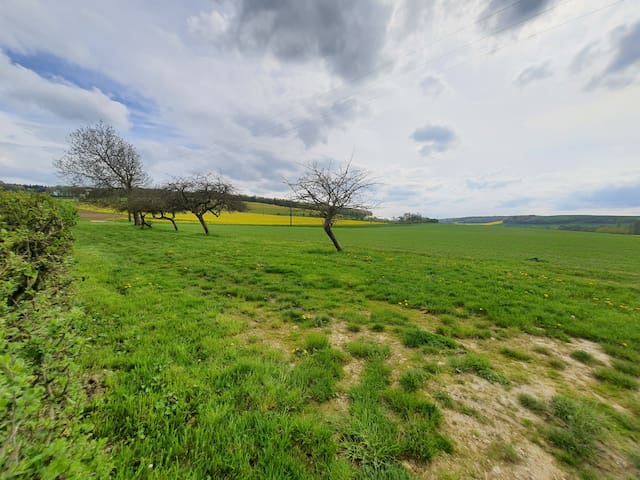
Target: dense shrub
x=41 y=394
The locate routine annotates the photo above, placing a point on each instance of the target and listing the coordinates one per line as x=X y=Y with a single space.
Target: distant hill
x=589 y=223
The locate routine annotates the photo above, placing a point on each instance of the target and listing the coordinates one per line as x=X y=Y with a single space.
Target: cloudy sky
x=455 y=107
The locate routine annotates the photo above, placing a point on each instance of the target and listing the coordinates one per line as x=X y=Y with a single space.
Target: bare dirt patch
x=99 y=216
x=488 y=414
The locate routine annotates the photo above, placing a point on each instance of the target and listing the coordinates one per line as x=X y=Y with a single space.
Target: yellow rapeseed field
x=237 y=218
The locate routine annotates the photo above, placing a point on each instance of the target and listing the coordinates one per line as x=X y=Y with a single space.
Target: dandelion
x=546 y=295
x=624 y=344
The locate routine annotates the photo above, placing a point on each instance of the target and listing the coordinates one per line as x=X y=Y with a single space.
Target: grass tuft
x=414 y=337
x=515 y=354
x=362 y=348
x=579 y=429
x=584 y=357
x=479 y=365
x=503 y=452
x=616 y=378
x=413 y=379
x=533 y=404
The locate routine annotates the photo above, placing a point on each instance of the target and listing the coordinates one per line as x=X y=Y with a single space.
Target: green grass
x=532 y=403
x=515 y=354
x=413 y=379
x=616 y=378
x=214 y=355
x=363 y=348
x=477 y=364
x=584 y=357
x=578 y=431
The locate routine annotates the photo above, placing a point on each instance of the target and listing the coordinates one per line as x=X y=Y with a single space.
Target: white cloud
x=253 y=113
x=27 y=91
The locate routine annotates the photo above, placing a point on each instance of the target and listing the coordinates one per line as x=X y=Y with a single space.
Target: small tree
x=101 y=158
x=161 y=203
x=200 y=194
x=331 y=192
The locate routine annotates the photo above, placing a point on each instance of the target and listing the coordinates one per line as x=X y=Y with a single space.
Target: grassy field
x=432 y=351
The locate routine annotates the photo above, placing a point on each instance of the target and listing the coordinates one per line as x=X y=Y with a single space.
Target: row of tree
x=97 y=156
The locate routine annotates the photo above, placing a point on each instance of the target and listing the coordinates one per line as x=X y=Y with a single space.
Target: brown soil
x=100 y=216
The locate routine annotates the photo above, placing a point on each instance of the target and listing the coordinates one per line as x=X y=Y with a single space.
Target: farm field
x=430 y=351
x=256 y=214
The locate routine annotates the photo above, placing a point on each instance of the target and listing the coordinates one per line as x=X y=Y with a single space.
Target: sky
x=454 y=107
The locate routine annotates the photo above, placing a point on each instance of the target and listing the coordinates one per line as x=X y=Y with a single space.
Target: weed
x=376 y=327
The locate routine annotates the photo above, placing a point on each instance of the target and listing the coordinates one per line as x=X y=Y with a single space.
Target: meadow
x=429 y=351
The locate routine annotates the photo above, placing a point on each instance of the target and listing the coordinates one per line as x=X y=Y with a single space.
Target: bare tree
x=200 y=194
x=99 y=157
x=331 y=192
x=161 y=203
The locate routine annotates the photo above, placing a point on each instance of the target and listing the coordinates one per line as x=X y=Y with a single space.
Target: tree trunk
x=129 y=215
x=329 y=232
x=203 y=223
x=143 y=222
x=173 y=222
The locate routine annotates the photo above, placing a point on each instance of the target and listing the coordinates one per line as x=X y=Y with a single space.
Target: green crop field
x=430 y=351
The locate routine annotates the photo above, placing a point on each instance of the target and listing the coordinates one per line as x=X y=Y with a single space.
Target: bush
x=35 y=239
x=41 y=395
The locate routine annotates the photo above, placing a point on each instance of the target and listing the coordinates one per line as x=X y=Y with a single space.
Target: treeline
x=581 y=223
x=351 y=213
x=629 y=229
x=158 y=202
x=415 y=218
x=43 y=433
